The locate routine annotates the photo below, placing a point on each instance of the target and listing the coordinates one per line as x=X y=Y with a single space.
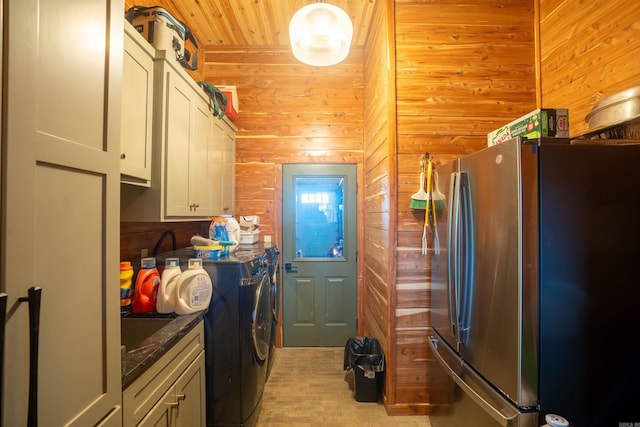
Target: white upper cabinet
x=222 y=160
x=137 y=109
x=186 y=141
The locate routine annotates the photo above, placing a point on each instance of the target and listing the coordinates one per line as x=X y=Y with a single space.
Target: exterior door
x=319 y=243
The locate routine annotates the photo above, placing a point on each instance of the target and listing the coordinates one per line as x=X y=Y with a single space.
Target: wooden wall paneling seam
x=393 y=211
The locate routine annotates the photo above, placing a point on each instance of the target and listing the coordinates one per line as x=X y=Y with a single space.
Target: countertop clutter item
x=226 y=231
x=209 y=251
x=146 y=289
x=126 y=291
x=193 y=289
x=620 y=108
x=249 y=229
x=540 y=123
x=166 y=300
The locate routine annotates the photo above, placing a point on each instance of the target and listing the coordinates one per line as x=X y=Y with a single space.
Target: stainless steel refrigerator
x=536 y=289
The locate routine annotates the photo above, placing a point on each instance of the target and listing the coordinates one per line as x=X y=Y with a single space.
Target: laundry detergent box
x=543 y=122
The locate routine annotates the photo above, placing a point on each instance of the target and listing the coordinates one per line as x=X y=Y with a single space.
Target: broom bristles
x=418 y=204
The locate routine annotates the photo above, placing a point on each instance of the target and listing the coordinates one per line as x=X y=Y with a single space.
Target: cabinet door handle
x=176 y=404
x=3 y=321
x=33 y=297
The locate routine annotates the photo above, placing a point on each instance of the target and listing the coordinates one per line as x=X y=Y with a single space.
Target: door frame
x=358 y=161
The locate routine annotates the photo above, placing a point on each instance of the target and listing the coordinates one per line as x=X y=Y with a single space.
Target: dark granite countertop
x=137 y=360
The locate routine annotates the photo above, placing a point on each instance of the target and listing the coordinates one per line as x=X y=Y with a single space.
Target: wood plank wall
x=289 y=113
x=588 y=50
x=463 y=69
x=380 y=191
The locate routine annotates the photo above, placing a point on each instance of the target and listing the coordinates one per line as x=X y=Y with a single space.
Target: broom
x=426 y=213
x=437 y=197
x=419 y=199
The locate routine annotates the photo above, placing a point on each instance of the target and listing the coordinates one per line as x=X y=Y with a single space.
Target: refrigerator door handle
x=453 y=259
x=466 y=283
x=505 y=419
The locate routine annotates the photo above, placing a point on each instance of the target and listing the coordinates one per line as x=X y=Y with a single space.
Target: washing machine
x=273 y=269
x=237 y=336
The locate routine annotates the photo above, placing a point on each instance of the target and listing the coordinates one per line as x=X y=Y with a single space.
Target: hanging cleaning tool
x=434 y=212
x=426 y=213
x=436 y=195
x=419 y=199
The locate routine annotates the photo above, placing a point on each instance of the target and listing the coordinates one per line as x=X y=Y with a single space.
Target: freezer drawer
x=471 y=400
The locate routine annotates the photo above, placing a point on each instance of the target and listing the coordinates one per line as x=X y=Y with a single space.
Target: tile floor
x=308 y=387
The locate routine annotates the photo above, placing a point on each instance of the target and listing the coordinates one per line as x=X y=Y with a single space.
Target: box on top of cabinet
x=232 y=101
x=543 y=122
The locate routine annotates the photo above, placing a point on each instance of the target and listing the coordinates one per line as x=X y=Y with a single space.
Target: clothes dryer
x=237 y=333
x=273 y=269
x=237 y=336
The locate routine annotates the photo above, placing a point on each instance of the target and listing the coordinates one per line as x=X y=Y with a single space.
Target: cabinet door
x=216 y=155
x=190 y=394
x=60 y=197
x=162 y=413
x=179 y=110
x=200 y=203
x=137 y=109
x=229 y=171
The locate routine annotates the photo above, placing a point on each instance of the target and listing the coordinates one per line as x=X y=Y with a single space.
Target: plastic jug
x=225 y=228
x=146 y=289
x=166 y=301
x=194 y=288
x=233 y=230
x=126 y=291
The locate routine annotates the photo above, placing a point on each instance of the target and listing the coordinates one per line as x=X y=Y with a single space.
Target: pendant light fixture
x=320 y=34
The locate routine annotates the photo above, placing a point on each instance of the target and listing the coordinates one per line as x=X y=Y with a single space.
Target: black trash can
x=364 y=355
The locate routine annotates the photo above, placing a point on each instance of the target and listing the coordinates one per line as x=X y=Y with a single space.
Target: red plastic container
x=146 y=288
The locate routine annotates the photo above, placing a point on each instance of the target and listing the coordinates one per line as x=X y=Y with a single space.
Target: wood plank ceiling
x=255 y=23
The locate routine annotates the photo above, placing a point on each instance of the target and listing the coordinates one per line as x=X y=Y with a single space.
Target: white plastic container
x=166 y=302
x=231 y=234
x=194 y=288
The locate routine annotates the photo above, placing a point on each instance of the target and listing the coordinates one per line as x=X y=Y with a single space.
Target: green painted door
x=319 y=256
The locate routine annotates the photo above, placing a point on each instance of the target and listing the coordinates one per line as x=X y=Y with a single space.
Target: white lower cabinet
x=172 y=391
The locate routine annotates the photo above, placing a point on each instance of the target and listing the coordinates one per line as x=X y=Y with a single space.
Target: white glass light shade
x=320 y=34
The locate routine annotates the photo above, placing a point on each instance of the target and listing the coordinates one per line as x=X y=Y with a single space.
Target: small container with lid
x=126 y=290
